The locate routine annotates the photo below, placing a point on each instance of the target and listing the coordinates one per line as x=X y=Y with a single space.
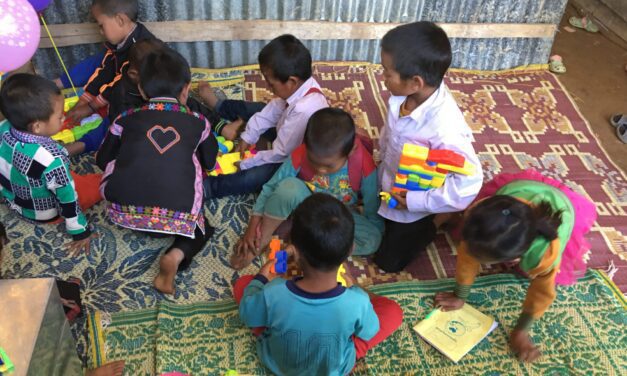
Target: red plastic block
x=448 y=157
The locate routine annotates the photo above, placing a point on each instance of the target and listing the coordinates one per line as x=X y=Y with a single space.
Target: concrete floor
x=596 y=78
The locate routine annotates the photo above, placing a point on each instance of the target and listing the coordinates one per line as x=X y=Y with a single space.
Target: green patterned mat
x=583 y=333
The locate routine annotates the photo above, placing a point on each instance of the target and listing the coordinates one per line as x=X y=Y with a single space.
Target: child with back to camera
x=312 y=325
x=535 y=221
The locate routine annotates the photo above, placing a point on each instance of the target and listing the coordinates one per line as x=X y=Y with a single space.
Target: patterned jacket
x=35 y=180
x=154 y=159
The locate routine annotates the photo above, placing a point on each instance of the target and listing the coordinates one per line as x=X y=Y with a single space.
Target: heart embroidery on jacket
x=163 y=138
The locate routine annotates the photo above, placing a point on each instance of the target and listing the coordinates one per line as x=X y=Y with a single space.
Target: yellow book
x=455 y=333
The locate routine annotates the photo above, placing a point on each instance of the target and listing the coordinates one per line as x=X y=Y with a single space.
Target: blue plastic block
x=280 y=263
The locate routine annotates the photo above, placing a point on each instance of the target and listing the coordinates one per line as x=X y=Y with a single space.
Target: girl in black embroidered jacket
x=154 y=159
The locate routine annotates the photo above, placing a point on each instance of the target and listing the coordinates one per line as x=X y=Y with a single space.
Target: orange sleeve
x=466 y=270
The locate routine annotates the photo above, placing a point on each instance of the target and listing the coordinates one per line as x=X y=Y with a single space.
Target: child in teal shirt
x=331 y=160
x=312 y=325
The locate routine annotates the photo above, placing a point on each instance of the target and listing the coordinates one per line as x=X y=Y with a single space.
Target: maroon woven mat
x=520 y=119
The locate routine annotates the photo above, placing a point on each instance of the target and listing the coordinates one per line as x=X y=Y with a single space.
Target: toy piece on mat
x=388 y=199
x=6 y=366
x=280 y=257
x=224 y=145
x=68 y=135
x=225 y=163
x=340 y=275
x=421 y=169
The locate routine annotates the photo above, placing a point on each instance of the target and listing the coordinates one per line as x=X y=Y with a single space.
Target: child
x=332 y=160
x=533 y=220
x=117 y=20
x=421 y=112
x=286 y=66
x=126 y=94
x=154 y=159
x=313 y=325
x=35 y=177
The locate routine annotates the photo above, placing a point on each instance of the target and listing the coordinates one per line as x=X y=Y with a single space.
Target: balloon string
x=54 y=45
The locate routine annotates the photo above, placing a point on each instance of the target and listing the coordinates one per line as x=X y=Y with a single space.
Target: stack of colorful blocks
x=421 y=169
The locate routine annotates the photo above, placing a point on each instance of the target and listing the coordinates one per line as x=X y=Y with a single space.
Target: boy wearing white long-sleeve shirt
x=286 y=65
x=421 y=112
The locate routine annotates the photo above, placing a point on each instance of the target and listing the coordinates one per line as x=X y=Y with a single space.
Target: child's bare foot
x=207 y=94
x=168 y=265
x=109 y=369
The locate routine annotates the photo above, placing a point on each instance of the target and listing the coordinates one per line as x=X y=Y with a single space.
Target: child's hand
x=266 y=270
x=242 y=147
x=79 y=112
x=75 y=247
x=231 y=130
x=448 y=301
x=401 y=198
x=523 y=346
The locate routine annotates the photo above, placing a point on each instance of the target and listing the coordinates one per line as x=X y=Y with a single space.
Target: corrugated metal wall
x=468 y=53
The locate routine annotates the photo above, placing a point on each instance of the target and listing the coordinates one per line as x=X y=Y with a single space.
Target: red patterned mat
x=521 y=119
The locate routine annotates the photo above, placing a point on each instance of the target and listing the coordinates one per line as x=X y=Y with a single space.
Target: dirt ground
x=596 y=79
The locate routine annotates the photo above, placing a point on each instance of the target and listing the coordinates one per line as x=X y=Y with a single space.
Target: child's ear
x=418 y=83
x=121 y=19
x=35 y=127
x=185 y=93
x=294 y=82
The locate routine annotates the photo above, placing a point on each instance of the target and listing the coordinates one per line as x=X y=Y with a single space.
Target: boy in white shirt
x=286 y=66
x=422 y=112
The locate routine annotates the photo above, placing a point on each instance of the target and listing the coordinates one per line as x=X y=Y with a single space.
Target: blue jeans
x=81 y=72
x=241 y=182
x=232 y=109
x=93 y=139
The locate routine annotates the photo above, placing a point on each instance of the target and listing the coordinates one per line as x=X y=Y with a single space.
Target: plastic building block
x=340 y=275
x=388 y=199
x=72 y=134
x=421 y=169
x=280 y=257
x=6 y=366
x=224 y=145
x=69 y=103
x=225 y=163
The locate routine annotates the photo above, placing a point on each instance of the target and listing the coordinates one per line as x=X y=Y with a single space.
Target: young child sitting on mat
x=286 y=66
x=154 y=158
x=126 y=93
x=535 y=221
x=118 y=23
x=421 y=111
x=35 y=176
x=331 y=160
x=313 y=325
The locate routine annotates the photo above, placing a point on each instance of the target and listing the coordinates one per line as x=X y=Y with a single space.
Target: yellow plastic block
x=415 y=151
x=227 y=163
x=66 y=136
x=69 y=103
x=401 y=179
x=340 y=277
x=416 y=169
x=468 y=169
x=437 y=182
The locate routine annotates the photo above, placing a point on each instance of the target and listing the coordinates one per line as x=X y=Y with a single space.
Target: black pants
x=189 y=246
x=402 y=242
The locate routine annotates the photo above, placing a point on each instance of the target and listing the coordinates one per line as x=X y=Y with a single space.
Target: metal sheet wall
x=468 y=53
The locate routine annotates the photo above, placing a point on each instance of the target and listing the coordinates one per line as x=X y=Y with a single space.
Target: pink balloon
x=19 y=33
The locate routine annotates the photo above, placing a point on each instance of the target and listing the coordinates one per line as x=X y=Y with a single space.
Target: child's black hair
x=502 y=228
x=139 y=50
x=164 y=73
x=27 y=98
x=113 y=7
x=329 y=132
x=323 y=231
x=419 y=49
x=286 y=56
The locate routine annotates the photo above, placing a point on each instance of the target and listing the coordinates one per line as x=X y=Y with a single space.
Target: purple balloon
x=19 y=33
x=39 y=5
